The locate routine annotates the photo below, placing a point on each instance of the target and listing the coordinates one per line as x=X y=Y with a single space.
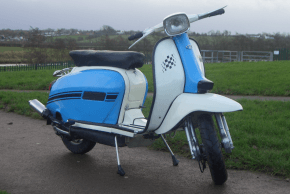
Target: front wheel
x=212 y=149
x=79 y=146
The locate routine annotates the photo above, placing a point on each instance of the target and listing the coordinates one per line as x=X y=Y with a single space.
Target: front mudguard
x=187 y=103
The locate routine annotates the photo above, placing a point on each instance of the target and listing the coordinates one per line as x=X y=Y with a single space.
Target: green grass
x=244 y=78
x=13 y=55
x=237 y=78
x=70 y=36
x=18 y=102
x=3 y=192
x=250 y=78
x=26 y=80
x=6 y=48
x=147 y=70
x=260 y=133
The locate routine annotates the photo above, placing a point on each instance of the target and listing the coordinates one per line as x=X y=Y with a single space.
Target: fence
x=213 y=56
x=209 y=56
x=282 y=54
x=42 y=66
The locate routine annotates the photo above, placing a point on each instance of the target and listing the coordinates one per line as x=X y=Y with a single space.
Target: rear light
x=51 y=84
x=49 y=88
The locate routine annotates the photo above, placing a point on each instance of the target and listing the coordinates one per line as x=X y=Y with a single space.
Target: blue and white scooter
x=100 y=100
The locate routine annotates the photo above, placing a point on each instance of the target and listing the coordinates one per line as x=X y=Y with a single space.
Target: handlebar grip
x=135 y=36
x=217 y=12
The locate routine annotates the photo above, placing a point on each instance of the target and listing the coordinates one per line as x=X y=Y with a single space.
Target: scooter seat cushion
x=120 y=59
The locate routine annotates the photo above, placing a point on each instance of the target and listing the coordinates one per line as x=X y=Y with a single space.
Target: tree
x=35 y=47
x=108 y=30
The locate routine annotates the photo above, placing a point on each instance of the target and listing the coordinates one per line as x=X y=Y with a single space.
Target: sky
x=241 y=16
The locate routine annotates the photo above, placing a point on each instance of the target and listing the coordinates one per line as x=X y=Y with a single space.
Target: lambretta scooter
x=101 y=99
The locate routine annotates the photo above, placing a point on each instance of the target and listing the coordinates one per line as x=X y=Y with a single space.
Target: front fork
x=192 y=139
x=226 y=139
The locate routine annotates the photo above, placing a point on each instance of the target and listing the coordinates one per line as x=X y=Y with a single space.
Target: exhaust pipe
x=97 y=136
x=39 y=108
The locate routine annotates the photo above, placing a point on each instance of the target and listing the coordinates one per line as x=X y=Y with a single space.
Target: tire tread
x=213 y=150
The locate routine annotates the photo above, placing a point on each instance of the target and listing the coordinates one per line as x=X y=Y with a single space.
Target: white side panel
x=187 y=103
x=169 y=79
x=134 y=116
x=137 y=85
x=197 y=54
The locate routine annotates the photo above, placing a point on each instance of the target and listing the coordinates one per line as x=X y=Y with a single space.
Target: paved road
x=33 y=160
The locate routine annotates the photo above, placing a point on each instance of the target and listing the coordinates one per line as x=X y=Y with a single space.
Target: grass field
x=18 y=102
x=250 y=78
x=236 y=78
x=70 y=36
x=3 y=192
x=26 y=80
x=6 y=48
x=14 y=55
x=260 y=133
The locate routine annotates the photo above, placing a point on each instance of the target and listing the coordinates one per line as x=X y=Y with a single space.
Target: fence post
x=203 y=56
x=271 y=56
x=242 y=55
x=217 y=57
x=211 y=56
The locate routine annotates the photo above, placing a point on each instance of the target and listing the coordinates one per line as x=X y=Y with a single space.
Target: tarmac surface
x=34 y=160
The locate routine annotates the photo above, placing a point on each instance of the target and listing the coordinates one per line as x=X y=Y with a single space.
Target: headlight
x=176 y=24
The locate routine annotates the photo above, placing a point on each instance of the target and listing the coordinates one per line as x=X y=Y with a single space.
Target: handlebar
x=135 y=36
x=210 y=14
x=159 y=27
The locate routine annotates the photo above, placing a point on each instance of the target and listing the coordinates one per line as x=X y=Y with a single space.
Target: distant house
x=120 y=32
x=15 y=39
x=269 y=37
x=254 y=35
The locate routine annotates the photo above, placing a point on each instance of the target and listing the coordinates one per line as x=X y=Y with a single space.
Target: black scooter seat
x=120 y=59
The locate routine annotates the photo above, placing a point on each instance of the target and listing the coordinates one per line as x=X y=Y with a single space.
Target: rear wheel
x=212 y=150
x=79 y=146
x=76 y=146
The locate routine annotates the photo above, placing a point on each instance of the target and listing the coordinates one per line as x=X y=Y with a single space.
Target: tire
x=79 y=146
x=213 y=151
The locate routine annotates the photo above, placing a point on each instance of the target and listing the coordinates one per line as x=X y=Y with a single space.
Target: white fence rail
x=214 y=56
